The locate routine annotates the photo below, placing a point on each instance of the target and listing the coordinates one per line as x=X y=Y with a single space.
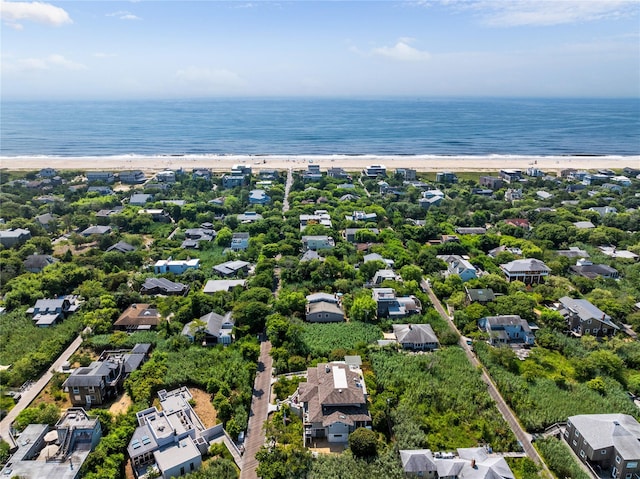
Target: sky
x=107 y=50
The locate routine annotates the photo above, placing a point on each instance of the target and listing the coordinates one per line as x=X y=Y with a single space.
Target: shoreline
x=221 y=163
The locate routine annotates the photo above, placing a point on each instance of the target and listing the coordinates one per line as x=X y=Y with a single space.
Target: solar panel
x=136 y=444
x=146 y=440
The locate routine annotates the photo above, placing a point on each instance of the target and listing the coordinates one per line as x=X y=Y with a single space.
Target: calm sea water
x=322 y=126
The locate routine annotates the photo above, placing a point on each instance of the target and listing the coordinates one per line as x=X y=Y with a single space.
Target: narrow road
x=258 y=415
x=255 y=436
x=365 y=188
x=505 y=410
x=30 y=394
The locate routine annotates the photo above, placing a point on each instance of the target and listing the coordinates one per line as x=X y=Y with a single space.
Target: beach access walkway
x=30 y=393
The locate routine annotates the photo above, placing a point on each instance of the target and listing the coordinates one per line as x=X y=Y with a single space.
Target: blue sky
x=182 y=49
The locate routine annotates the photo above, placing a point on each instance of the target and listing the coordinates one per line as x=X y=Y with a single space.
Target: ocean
x=405 y=126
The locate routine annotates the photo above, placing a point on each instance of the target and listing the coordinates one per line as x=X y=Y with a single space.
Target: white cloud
x=51 y=62
x=104 y=55
x=124 y=15
x=402 y=51
x=513 y=13
x=14 y=12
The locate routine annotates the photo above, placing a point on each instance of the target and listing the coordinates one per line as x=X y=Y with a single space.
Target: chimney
x=473 y=463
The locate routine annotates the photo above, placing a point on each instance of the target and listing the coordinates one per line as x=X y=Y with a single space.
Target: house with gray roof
x=573 y=252
x=95 y=384
x=333 y=402
x=121 y=247
x=46 y=220
x=459 y=266
x=96 y=230
x=140 y=199
x=14 y=236
x=214 y=328
x=391 y=306
x=417 y=337
x=34 y=263
x=55 y=453
x=585 y=318
x=507 y=329
x=214 y=285
x=480 y=295
x=607 y=442
x=529 y=270
x=154 y=286
x=47 y=312
x=317 y=242
x=170 y=440
x=249 y=217
x=240 y=241
x=586 y=268
x=468 y=463
x=232 y=268
x=324 y=308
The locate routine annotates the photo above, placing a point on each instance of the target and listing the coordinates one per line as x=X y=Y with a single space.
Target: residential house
x=505 y=249
x=361 y=216
x=271 y=175
x=491 y=182
x=417 y=337
x=95 y=384
x=479 y=295
x=584 y=318
x=96 y=230
x=39 y=456
x=374 y=171
x=214 y=285
x=239 y=241
x=157 y=214
x=232 y=268
x=376 y=257
x=470 y=463
x=175 y=266
x=446 y=177
x=573 y=252
x=604 y=210
x=583 y=225
x=407 y=174
x=132 y=359
x=391 y=306
x=595 y=179
x=335 y=172
x=529 y=270
x=511 y=176
x=612 y=187
x=586 y=268
x=155 y=286
x=166 y=176
x=47 y=312
x=319 y=217
x=613 y=252
x=544 y=195
x=48 y=173
x=351 y=233
x=101 y=190
x=622 y=180
x=193 y=237
x=249 y=217
x=333 y=401
x=518 y=223
x=204 y=173
x=383 y=275
x=507 y=329
x=317 y=242
x=138 y=316
x=46 y=220
x=140 y=199
x=431 y=198
x=459 y=265
x=534 y=172
x=215 y=329
x=471 y=230
x=313 y=173
x=607 y=442
x=232 y=181
x=170 y=441
x=311 y=255
x=34 y=263
x=14 y=236
x=259 y=197
x=323 y=308
x=132 y=177
x=105 y=213
x=121 y=247
x=102 y=176
x=513 y=194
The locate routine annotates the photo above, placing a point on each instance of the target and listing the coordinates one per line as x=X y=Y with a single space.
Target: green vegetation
x=435 y=401
x=321 y=339
x=560 y=459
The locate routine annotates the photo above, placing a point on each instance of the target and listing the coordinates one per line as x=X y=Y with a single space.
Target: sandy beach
x=422 y=163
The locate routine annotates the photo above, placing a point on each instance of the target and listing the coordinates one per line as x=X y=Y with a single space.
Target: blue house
x=259 y=197
x=507 y=329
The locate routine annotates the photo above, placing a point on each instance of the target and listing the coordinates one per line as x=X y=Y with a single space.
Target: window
x=191 y=466
x=632 y=465
x=91 y=389
x=577 y=433
x=604 y=451
x=582 y=454
x=618 y=459
x=575 y=443
x=628 y=476
x=76 y=389
x=586 y=331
